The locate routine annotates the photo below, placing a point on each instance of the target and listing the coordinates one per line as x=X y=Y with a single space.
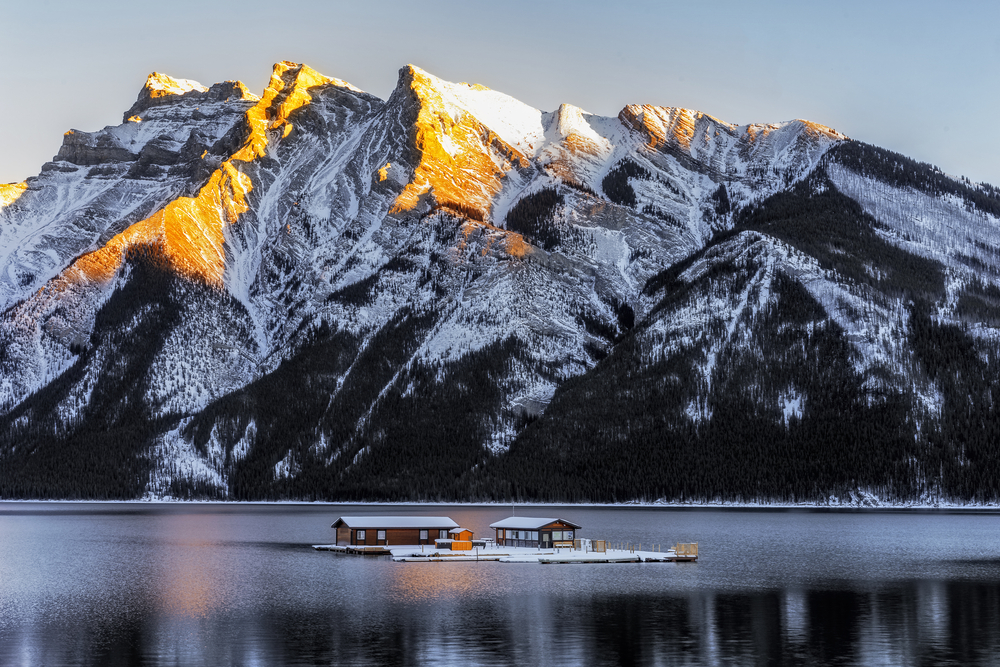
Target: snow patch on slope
x=177 y=460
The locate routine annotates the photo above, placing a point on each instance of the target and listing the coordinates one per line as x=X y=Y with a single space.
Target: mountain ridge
x=321 y=294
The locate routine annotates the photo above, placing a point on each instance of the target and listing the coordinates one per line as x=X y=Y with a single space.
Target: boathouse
x=391 y=530
x=529 y=531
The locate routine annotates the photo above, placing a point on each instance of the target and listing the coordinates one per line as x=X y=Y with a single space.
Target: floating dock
x=519 y=539
x=417 y=554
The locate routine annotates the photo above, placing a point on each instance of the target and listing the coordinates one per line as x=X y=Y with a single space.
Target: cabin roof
x=376 y=522
x=529 y=523
x=459 y=530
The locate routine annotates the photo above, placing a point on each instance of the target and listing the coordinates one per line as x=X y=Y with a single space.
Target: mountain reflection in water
x=242 y=587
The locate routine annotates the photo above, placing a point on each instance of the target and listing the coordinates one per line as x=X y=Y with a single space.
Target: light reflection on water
x=190 y=579
x=211 y=585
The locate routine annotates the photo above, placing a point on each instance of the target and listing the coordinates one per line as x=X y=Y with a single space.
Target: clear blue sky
x=921 y=78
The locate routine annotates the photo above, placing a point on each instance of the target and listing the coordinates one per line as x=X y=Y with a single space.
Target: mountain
x=449 y=294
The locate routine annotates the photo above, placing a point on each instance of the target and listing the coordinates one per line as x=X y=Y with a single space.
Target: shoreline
x=709 y=506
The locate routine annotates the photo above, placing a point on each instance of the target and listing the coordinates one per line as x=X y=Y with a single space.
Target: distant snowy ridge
x=316 y=293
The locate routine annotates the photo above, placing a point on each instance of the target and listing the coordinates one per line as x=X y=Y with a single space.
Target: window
x=568 y=534
x=361 y=536
x=380 y=535
x=443 y=534
x=534 y=535
x=557 y=535
x=423 y=534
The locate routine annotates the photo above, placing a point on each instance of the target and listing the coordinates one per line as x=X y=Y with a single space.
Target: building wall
x=394 y=536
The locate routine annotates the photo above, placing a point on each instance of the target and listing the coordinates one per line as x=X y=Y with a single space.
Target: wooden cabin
x=391 y=530
x=535 y=532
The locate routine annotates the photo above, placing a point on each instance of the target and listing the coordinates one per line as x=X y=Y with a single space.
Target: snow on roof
x=395 y=522
x=458 y=530
x=528 y=522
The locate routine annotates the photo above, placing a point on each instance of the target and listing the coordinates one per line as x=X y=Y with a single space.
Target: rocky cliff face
x=318 y=293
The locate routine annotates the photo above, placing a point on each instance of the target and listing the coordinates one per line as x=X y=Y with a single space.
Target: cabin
x=391 y=530
x=535 y=532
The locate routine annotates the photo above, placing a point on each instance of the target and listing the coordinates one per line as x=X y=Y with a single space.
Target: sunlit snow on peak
x=161 y=85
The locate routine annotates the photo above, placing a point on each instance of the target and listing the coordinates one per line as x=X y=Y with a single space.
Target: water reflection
x=839 y=627
x=191 y=580
x=224 y=588
x=414 y=582
x=835 y=627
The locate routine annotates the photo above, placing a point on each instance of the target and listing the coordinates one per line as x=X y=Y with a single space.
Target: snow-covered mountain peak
x=821 y=130
x=517 y=123
x=287 y=91
x=292 y=78
x=688 y=129
x=160 y=85
x=458 y=136
x=161 y=89
x=316 y=280
x=9 y=193
x=188 y=232
x=668 y=126
x=577 y=131
x=570 y=120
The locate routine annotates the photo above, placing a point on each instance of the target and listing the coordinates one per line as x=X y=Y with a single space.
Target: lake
x=218 y=584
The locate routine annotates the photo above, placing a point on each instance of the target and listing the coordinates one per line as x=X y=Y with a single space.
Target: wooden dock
x=680 y=553
x=361 y=551
x=685 y=553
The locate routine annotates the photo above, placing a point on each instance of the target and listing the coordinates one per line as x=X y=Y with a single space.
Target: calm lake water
x=147 y=584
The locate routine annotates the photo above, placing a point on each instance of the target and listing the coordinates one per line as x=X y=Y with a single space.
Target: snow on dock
x=583 y=551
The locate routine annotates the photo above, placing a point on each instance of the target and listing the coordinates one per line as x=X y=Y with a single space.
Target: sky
x=917 y=77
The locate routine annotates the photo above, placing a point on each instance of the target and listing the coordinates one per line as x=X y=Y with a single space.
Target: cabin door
x=545 y=540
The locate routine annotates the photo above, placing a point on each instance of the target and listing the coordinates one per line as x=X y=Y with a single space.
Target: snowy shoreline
x=865 y=505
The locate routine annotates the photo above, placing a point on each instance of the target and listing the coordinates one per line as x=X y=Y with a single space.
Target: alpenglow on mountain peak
x=450 y=294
